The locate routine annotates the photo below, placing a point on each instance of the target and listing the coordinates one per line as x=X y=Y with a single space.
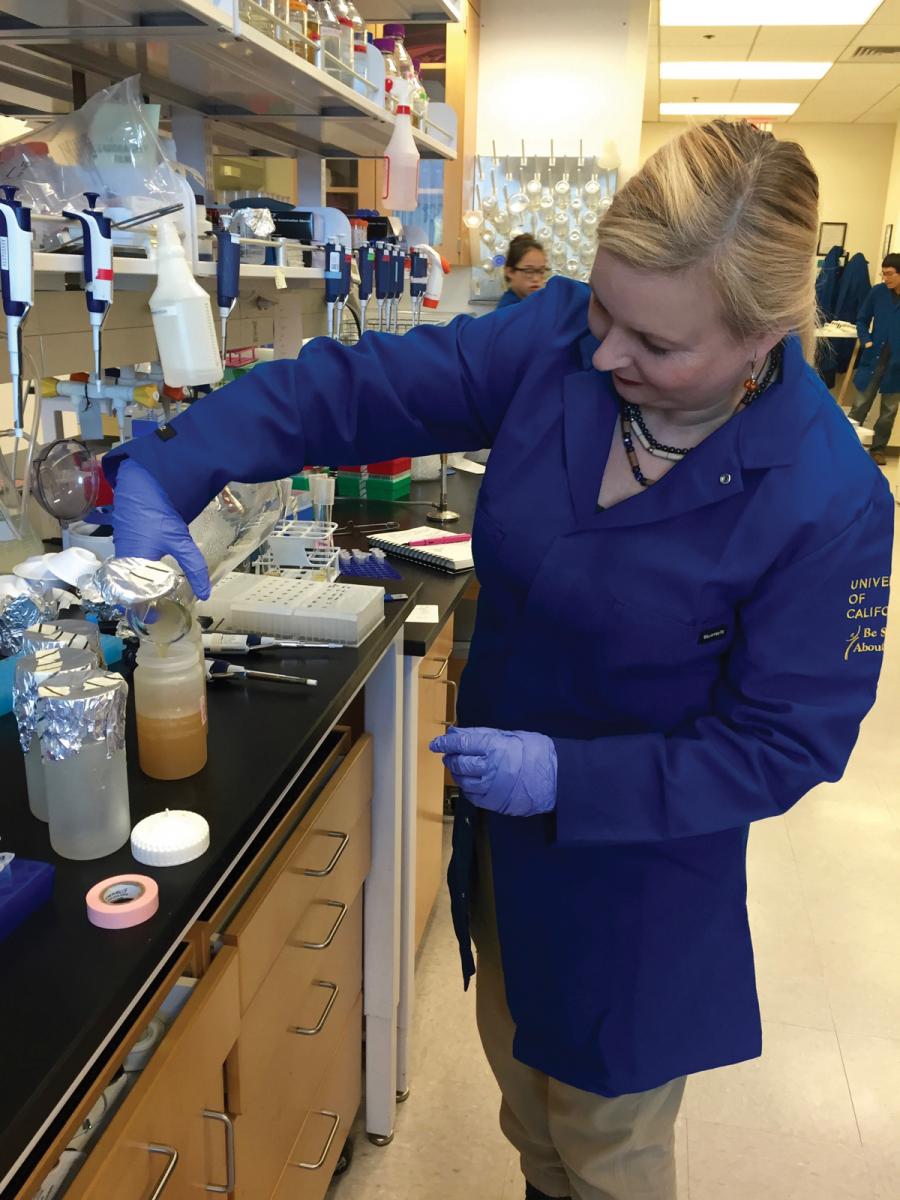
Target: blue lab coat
x=508 y=298
x=855 y=284
x=828 y=281
x=881 y=311
x=702 y=653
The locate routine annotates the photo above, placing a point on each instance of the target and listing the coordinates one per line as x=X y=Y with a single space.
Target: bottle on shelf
x=401 y=55
x=170 y=706
x=259 y=15
x=344 y=12
x=360 y=41
x=313 y=45
x=299 y=22
x=391 y=71
x=329 y=39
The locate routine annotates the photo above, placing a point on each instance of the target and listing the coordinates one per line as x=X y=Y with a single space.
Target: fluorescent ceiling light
x=743 y=70
x=726 y=109
x=766 y=12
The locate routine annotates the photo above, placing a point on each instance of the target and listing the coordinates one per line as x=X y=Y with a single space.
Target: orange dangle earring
x=751 y=385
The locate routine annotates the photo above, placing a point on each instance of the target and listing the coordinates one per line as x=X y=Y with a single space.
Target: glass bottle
x=419 y=100
x=170 y=705
x=312 y=32
x=343 y=12
x=81 y=726
x=31 y=671
x=391 y=71
x=281 y=12
x=299 y=20
x=329 y=38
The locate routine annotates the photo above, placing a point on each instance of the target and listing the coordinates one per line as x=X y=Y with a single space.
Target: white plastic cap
x=169 y=838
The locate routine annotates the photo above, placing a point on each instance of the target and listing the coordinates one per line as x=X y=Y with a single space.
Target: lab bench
x=325 y=812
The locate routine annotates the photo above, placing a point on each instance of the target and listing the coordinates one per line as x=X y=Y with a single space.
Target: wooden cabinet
x=162 y=1129
x=434 y=687
x=254 y=1088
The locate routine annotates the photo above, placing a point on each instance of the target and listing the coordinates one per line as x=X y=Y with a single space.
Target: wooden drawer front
x=279 y=1070
x=165 y=1109
x=314 y=1154
x=310 y=864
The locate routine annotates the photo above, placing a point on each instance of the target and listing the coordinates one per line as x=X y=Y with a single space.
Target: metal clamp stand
x=441 y=514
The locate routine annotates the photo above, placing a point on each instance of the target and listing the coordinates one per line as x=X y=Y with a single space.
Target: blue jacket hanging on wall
x=855 y=284
x=702 y=653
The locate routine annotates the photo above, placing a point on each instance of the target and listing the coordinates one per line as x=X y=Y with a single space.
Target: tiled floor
x=818 y=1117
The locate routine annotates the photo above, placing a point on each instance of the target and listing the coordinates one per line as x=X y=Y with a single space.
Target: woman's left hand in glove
x=511 y=773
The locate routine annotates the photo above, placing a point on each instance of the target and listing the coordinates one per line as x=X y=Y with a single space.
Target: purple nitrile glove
x=510 y=773
x=147 y=526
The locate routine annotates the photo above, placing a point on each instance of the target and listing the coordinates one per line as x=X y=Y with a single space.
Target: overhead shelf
x=198 y=54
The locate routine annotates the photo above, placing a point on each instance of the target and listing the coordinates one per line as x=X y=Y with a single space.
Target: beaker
x=518 y=202
x=17 y=540
x=501 y=221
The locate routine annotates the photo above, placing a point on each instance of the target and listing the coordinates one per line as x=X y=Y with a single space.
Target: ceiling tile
x=889 y=35
x=793 y=90
x=694 y=36
x=708 y=52
x=685 y=90
x=885 y=111
x=792 y=41
x=888 y=14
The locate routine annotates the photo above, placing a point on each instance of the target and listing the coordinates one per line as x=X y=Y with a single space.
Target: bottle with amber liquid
x=170 y=705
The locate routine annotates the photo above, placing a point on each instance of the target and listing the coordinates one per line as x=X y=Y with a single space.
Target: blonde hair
x=730 y=196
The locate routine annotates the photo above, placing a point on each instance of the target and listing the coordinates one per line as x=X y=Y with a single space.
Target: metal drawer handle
x=452 y=685
x=172 y=1155
x=335 y=927
x=445 y=662
x=335 y=858
x=323 y=1112
x=228 y=1188
x=317 y=1028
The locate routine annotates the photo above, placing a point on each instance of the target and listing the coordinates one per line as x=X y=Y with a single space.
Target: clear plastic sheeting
x=108 y=147
x=237 y=522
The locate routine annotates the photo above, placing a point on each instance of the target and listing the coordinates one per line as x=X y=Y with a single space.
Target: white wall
x=853 y=163
x=567 y=72
x=892 y=201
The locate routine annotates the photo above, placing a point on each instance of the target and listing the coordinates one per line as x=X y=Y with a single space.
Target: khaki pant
x=571 y=1142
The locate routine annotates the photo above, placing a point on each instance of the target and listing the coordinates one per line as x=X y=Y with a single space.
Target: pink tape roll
x=122 y=901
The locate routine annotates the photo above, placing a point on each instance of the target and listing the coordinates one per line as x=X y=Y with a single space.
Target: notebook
x=452 y=556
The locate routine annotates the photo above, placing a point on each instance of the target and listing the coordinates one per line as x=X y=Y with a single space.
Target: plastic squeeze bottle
x=182 y=317
x=401 y=158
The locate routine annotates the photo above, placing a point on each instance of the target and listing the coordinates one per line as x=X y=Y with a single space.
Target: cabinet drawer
x=161 y=1128
x=313 y=1156
x=279 y=1068
x=310 y=864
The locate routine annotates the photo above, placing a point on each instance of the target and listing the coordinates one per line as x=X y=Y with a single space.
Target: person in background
x=878 y=328
x=525 y=270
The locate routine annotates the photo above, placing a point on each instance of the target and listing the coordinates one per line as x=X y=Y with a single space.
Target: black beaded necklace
x=632 y=424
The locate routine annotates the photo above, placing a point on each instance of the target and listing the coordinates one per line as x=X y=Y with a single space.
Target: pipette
x=366 y=257
x=333 y=279
x=418 y=281
x=17 y=276
x=399 y=283
x=228 y=278
x=346 y=279
x=98 y=269
x=218 y=668
x=383 y=268
x=247 y=643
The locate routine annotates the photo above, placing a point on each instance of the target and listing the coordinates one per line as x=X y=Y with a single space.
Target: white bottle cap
x=169 y=838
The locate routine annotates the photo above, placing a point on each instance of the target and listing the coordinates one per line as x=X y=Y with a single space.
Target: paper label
x=280 y=281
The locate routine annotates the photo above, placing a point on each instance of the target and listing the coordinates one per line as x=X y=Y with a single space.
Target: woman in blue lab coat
x=524 y=271
x=682 y=638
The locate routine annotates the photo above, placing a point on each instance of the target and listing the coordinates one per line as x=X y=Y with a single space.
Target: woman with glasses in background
x=525 y=270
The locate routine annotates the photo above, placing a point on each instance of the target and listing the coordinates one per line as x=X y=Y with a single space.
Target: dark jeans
x=889 y=405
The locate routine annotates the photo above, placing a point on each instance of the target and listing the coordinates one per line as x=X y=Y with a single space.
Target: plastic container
x=330 y=40
x=182 y=317
x=81 y=726
x=391 y=71
x=170 y=706
x=31 y=671
x=401 y=158
x=401 y=54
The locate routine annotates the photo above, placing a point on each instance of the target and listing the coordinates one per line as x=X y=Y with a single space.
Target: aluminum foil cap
x=128 y=582
x=34 y=669
x=76 y=708
x=79 y=635
x=16 y=614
